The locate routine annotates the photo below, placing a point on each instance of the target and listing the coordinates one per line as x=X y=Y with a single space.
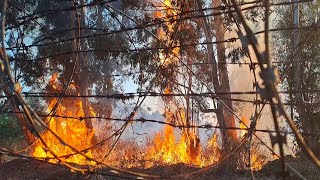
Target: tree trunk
x=304 y=112
x=108 y=88
x=220 y=29
x=214 y=75
x=81 y=74
x=188 y=111
x=84 y=70
x=8 y=87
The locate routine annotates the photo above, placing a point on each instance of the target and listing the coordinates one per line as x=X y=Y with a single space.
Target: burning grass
x=72 y=131
x=166 y=147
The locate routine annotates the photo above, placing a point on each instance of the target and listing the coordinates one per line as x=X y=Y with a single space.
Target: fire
x=256 y=156
x=256 y=162
x=72 y=131
x=169 y=56
x=166 y=147
x=243 y=125
x=213 y=150
x=166 y=150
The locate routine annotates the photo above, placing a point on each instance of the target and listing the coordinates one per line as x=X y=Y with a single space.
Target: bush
x=10 y=131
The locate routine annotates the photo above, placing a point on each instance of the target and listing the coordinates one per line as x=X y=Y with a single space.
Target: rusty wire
x=270 y=86
x=34 y=117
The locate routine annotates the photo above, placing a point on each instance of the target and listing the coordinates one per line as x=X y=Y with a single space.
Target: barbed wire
x=42 y=14
x=272 y=91
x=146 y=120
x=94 y=35
x=234 y=8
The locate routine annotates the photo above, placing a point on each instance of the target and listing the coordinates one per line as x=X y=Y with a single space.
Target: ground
x=25 y=169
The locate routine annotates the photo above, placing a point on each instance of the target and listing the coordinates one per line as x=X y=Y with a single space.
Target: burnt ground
x=24 y=169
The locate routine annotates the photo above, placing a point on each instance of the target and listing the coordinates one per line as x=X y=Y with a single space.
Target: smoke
x=242 y=80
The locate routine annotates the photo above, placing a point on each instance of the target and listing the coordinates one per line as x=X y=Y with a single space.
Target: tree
x=220 y=29
x=219 y=72
x=54 y=43
x=14 y=37
x=301 y=83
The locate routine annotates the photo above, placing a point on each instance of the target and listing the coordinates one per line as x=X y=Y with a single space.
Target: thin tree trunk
x=214 y=74
x=188 y=117
x=84 y=70
x=297 y=66
x=304 y=112
x=81 y=74
x=108 y=88
x=7 y=83
x=220 y=29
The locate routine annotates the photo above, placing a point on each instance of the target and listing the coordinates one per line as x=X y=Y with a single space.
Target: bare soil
x=25 y=169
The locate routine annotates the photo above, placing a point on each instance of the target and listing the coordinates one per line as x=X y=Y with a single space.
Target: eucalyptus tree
x=77 y=40
x=304 y=84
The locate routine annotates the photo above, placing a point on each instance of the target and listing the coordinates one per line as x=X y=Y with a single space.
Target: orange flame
x=167 y=11
x=256 y=159
x=71 y=131
x=243 y=125
x=166 y=150
x=165 y=147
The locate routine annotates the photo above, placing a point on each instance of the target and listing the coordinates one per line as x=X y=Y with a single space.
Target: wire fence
x=265 y=95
